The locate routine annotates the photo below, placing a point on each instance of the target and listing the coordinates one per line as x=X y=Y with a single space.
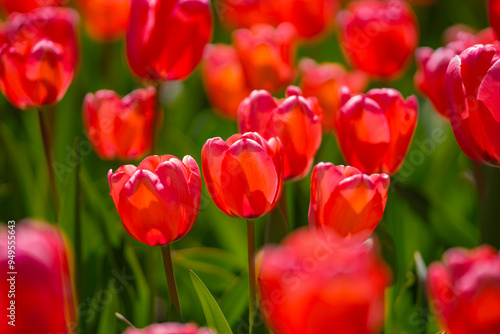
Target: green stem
x=490 y=228
x=49 y=158
x=283 y=207
x=252 y=307
x=169 y=273
x=156 y=116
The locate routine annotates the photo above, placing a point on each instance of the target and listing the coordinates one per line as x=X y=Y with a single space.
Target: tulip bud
x=347 y=201
x=105 y=20
x=374 y=130
x=295 y=120
x=323 y=81
x=35 y=279
x=158 y=201
x=244 y=174
x=267 y=55
x=120 y=128
x=472 y=82
x=465 y=290
x=38 y=56
x=165 y=38
x=314 y=284
x=378 y=37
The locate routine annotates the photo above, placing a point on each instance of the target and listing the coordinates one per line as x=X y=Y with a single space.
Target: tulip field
x=249 y=166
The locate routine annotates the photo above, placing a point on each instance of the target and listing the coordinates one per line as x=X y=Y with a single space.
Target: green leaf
x=213 y=314
x=234 y=301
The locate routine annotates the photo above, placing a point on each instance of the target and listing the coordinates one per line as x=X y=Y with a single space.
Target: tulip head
x=105 y=20
x=295 y=120
x=120 y=128
x=347 y=201
x=244 y=174
x=158 y=201
x=378 y=37
x=170 y=328
x=224 y=79
x=38 y=56
x=42 y=287
x=494 y=15
x=267 y=55
x=465 y=290
x=312 y=282
x=324 y=81
x=472 y=85
x=165 y=38
x=26 y=6
x=374 y=130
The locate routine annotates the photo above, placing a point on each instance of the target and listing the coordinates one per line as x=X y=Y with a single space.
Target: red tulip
x=494 y=15
x=374 y=130
x=347 y=201
x=267 y=55
x=323 y=81
x=224 y=79
x=170 y=328
x=295 y=120
x=120 y=128
x=378 y=36
x=465 y=290
x=25 y=6
x=158 y=201
x=244 y=174
x=432 y=65
x=246 y=13
x=105 y=19
x=312 y=284
x=41 y=290
x=165 y=38
x=472 y=82
x=38 y=56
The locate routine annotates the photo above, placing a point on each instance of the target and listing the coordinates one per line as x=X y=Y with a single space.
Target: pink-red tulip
x=374 y=130
x=494 y=15
x=120 y=128
x=25 y=6
x=165 y=38
x=465 y=290
x=295 y=120
x=313 y=284
x=432 y=64
x=267 y=55
x=472 y=82
x=323 y=81
x=378 y=36
x=244 y=174
x=224 y=80
x=170 y=328
x=347 y=201
x=38 y=56
x=105 y=20
x=158 y=201
x=41 y=290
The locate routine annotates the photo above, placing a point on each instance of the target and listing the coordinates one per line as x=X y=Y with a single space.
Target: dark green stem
x=490 y=224
x=49 y=158
x=156 y=116
x=252 y=307
x=169 y=273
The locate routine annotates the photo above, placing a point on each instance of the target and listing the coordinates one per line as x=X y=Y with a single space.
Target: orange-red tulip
x=224 y=80
x=244 y=174
x=347 y=201
x=38 y=56
x=472 y=82
x=105 y=19
x=374 y=130
x=25 y=6
x=170 y=328
x=378 y=36
x=313 y=284
x=323 y=81
x=267 y=55
x=120 y=128
x=158 y=201
x=165 y=38
x=465 y=290
x=41 y=289
x=295 y=120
